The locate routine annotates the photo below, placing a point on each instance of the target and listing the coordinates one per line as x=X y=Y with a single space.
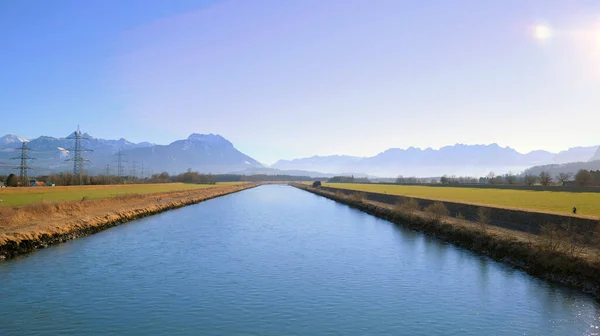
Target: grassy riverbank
x=557 y=202
x=24 y=196
x=553 y=256
x=37 y=225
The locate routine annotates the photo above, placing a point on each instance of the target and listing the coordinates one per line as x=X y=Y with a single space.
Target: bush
x=316 y=184
x=551 y=237
x=358 y=197
x=483 y=217
x=408 y=206
x=437 y=211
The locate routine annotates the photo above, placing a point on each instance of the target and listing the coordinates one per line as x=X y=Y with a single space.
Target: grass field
x=588 y=204
x=23 y=196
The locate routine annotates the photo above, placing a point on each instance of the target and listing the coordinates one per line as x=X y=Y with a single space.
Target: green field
x=22 y=196
x=588 y=204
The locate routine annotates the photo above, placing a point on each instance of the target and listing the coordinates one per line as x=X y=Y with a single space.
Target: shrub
x=551 y=237
x=437 y=211
x=340 y=194
x=573 y=239
x=316 y=184
x=483 y=217
x=408 y=206
x=358 y=197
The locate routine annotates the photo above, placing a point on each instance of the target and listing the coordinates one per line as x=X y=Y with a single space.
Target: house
x=2 y=185
x=37 y=183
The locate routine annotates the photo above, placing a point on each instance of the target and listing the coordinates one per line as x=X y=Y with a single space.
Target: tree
x=12 y=180
x=510 y=178
x=563 y=177
x=545 y=178
x=444 y=180
x=529 y=179
x=583 y=177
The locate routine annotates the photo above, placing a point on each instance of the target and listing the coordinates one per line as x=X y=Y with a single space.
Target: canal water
x=275 y=260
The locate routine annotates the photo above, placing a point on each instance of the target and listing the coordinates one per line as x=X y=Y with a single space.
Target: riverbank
x=39 y=225
x=546 y=257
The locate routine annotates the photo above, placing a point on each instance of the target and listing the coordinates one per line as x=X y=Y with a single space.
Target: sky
x=296 y=78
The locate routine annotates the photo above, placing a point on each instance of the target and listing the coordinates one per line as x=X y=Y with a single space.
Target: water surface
x=276 y=260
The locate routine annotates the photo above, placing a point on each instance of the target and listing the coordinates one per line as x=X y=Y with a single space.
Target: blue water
x=276 y=260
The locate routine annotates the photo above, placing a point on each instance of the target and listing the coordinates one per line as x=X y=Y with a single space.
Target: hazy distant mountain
x=330 y=164
x=555 y=169
x=596 y=155
x=457 y=159
x=207 y=153
x=11 y=141
x=576 y=154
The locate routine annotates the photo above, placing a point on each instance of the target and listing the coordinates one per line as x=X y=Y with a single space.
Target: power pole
x=78 y=150
x=120 y=161
x=23 y=167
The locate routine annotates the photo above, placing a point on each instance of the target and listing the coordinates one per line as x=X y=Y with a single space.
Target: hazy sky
x=286 y=79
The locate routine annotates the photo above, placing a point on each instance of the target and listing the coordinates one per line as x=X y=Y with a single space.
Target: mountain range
x=459 y=159
x=209 y=153
x=212 y=153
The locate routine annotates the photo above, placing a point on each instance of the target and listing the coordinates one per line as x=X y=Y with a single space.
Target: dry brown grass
x=59 y=217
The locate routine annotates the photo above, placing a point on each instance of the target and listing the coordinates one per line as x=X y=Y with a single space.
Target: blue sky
x=285 y=79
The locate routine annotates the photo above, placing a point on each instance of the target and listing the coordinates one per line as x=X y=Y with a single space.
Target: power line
x=23 y=167
x=78 y=150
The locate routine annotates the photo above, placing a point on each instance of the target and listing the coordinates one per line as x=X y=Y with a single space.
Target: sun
x=542 y=32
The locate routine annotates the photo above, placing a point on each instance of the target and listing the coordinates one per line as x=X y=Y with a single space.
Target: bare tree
x=545 y=178
x=583 y=177
x=529 y=179
x=510 y=178
x=563 y=177
x=492 y=178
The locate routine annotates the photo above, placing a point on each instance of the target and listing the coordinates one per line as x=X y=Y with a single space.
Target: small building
x=38 y=184
x=2 y=185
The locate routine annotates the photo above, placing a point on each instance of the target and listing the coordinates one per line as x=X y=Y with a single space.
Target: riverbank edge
x=13 y=248
x=555 y=267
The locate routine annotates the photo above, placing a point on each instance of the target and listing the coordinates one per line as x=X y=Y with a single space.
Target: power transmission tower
x=23 y=167
x=78 y=150
x=134 y=170
x=142 y=173
x=107 y=170
x=120 y=161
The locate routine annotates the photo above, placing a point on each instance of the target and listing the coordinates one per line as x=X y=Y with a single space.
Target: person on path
x=574 y=210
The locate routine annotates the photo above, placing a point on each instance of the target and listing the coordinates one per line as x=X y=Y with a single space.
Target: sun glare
x=542 y=32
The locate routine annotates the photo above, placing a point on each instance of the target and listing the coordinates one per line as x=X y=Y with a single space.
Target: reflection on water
x=275 y=260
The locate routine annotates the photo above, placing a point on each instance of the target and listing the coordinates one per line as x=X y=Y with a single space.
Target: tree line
x=582 y=178
x=69 y=179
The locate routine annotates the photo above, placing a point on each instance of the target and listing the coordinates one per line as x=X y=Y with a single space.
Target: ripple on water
x=275 y=260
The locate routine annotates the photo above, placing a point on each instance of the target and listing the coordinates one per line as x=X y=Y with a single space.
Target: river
x=275 y=260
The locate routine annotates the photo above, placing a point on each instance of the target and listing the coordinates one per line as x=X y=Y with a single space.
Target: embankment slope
x=551 y=258
x=39 y=225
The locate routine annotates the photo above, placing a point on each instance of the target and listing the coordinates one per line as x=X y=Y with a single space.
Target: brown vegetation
x=25 y=228
x=560 y=253
x=437 y=211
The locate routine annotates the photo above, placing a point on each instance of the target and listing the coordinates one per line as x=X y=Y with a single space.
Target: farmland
x=24 y=196
x=588 y=204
